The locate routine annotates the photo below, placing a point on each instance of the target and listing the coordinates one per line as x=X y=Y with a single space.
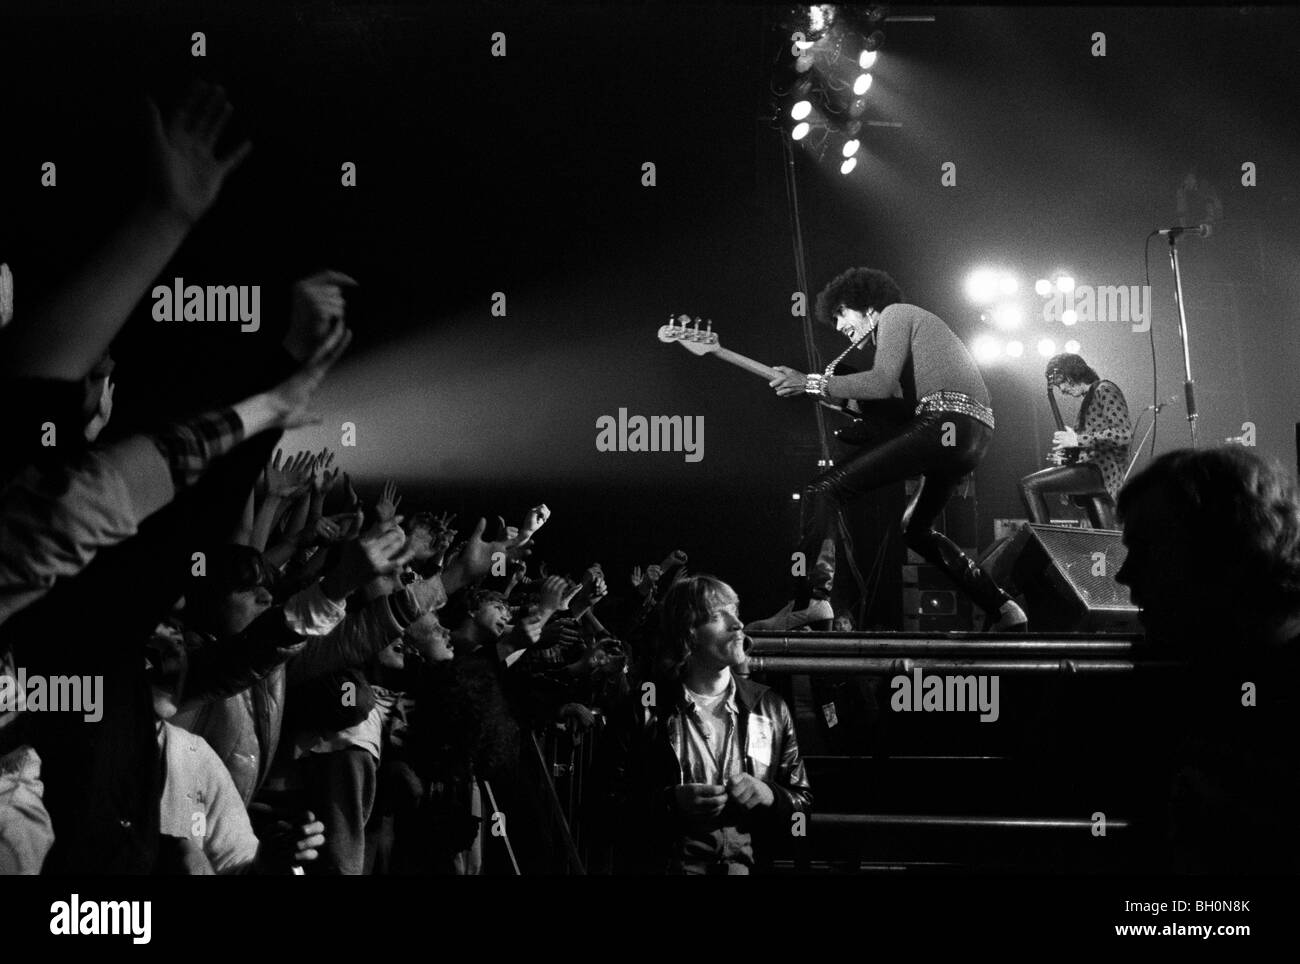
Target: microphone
x=1200 y=230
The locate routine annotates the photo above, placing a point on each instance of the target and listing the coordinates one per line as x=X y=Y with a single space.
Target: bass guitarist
x=919 y=358
x=1093 y=454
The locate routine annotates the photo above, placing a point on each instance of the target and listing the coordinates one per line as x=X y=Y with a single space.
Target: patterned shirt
x=1105 y=433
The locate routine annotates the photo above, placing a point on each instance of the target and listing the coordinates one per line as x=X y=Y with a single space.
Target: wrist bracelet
x=814 y=385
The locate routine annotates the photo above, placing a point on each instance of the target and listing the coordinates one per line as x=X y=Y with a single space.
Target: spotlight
x=1042 y=287
x=1007 y=316
x=800 y=131
x=1047 y=348
x=986 y=349
x=1065 y=284
x=801 y=110
x=1072 y=347
x=1069 y=316
x=820 y=16
x=982 y=285
x=851 y=147
x=867 y=59
x=848 y=165
x=862 y=84
x=1015 y=349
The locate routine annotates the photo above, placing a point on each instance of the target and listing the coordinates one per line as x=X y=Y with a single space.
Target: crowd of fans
x=297 y=679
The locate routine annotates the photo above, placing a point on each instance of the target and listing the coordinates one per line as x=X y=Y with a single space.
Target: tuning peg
x=709 y=329
x=697 y=324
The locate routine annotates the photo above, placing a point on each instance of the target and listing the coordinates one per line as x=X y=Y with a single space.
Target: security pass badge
x=760 y=740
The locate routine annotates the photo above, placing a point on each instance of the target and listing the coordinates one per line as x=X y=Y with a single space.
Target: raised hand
x=186 y=173
x=284 y=480
x=317 y=305
x=386 y=507
x=347 y=525
x=557 y=593
x=475 y=559
x=289 y=400
x=534 y=520
x=379 y=552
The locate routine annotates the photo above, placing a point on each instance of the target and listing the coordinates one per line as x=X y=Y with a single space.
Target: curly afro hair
x=859 y=289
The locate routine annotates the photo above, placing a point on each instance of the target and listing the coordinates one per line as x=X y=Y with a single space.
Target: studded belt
x=945 y=401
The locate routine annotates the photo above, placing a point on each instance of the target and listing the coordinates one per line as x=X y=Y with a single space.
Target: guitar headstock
x=688 y=334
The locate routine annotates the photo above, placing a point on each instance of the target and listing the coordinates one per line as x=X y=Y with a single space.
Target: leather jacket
x=642 y=767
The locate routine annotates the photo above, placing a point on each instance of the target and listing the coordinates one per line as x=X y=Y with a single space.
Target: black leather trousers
x=1084 y=479
x=942 y=448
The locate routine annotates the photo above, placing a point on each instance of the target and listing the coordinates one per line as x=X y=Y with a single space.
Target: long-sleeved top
x=1105 y=433
x=55 y=516
x=916 y=355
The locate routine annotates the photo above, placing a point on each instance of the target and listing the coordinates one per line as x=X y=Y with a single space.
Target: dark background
x=523 y=175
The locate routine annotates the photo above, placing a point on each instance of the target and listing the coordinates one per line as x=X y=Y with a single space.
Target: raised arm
x=64 y=337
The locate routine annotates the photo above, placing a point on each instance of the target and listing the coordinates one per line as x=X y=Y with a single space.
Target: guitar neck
x=740 y=361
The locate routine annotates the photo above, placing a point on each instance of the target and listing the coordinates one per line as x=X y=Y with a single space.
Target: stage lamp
x=982 y=285
x=848 y=165
x=1069 y=316
x=800 y=131
x=851 y=147
x=801 y=110
x=1072 y=347
x=1015 y=349
x=986 y=349
x=1047 y=348
x=862 y=84
x=1065 y=284
x=867 y=59
x=1042 y=287
x=1007 y=316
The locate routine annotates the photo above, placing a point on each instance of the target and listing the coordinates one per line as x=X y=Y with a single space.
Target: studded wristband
x=815 y=385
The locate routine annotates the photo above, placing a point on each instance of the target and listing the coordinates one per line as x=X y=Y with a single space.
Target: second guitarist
x=1097 y=449
x=918 y=357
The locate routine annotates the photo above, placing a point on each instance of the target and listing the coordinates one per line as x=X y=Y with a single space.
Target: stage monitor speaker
x=1068 y=579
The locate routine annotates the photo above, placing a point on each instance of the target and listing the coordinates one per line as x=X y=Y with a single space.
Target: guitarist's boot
x=1009 y=619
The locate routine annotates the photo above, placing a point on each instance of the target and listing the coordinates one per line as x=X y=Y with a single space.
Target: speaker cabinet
x=1067 y=577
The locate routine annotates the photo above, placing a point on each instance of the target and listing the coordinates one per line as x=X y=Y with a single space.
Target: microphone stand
x=1155 y=414
x=1189 y=387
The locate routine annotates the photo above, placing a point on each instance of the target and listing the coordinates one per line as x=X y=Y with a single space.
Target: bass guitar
x=1060 y=455
x=878 y=419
